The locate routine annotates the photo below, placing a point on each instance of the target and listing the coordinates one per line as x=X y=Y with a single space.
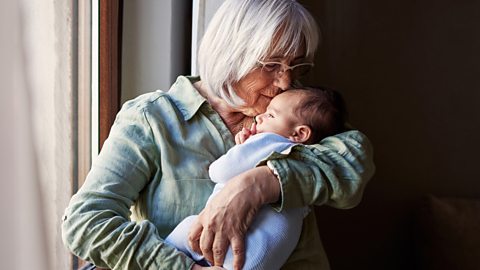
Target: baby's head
x=304 y=115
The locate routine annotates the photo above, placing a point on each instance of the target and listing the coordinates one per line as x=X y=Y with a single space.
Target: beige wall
x=409 y=71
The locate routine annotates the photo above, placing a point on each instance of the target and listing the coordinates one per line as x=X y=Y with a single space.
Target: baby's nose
x=257 y=118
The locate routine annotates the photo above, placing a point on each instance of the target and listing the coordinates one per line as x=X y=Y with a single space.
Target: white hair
x=244 y=31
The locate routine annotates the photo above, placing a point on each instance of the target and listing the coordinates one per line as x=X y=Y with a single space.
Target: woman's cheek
x=262 y=104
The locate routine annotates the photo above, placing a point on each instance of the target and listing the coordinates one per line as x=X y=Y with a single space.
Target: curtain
x=37 y=136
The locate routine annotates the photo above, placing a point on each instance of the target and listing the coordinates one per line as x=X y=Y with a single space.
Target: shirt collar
x=185 y=96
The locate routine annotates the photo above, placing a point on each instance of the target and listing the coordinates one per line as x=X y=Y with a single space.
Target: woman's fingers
x=227 y=217
x=206 y=243
x=238 y=250
x=219 y=249
x=194 y=236
x=198 y=267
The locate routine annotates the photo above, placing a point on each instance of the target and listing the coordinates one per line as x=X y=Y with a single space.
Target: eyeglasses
x=298 y=70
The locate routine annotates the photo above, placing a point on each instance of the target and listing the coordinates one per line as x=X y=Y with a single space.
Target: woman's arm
x=333 y=172
x=97 y=225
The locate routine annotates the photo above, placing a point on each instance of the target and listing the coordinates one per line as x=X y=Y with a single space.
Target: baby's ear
x=301 y=134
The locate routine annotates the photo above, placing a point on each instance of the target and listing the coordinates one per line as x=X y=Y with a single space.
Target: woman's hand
x=199 y=267
x=227 y=217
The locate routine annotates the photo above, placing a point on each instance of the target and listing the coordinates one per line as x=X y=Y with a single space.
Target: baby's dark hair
x=323 y=110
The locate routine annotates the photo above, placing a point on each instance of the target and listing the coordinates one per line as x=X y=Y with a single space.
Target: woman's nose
x=283 y=80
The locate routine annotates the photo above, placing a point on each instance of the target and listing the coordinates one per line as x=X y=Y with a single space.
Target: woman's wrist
x=267 y=183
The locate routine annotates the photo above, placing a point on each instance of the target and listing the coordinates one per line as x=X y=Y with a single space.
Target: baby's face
x=280 y=117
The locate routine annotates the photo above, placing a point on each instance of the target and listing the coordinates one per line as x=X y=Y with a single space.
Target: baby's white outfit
x=273 y=235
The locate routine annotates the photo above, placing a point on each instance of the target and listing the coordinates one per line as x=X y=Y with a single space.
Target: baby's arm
x=245 y=156
x=245 y=133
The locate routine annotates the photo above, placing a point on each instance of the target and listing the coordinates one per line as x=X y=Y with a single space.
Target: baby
x=300 y=116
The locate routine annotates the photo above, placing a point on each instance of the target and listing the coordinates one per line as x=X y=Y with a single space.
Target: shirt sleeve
x=97 y=225
x=333 y=172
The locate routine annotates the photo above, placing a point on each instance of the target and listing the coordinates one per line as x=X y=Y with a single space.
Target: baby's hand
x=245 y=133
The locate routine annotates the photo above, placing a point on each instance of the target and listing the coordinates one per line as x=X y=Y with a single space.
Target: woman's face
x=259 y=86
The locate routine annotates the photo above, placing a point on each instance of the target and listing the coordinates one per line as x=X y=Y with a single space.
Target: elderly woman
x=156 y=158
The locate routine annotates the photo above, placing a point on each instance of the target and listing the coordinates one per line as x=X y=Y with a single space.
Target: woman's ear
x=301 y=134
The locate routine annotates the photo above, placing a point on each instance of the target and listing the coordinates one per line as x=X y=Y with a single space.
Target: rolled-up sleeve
x=97 y=225
x=333 y=172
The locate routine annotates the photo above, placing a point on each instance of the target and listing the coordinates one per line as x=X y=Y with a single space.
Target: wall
x=156 y=38
x=409 y=71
